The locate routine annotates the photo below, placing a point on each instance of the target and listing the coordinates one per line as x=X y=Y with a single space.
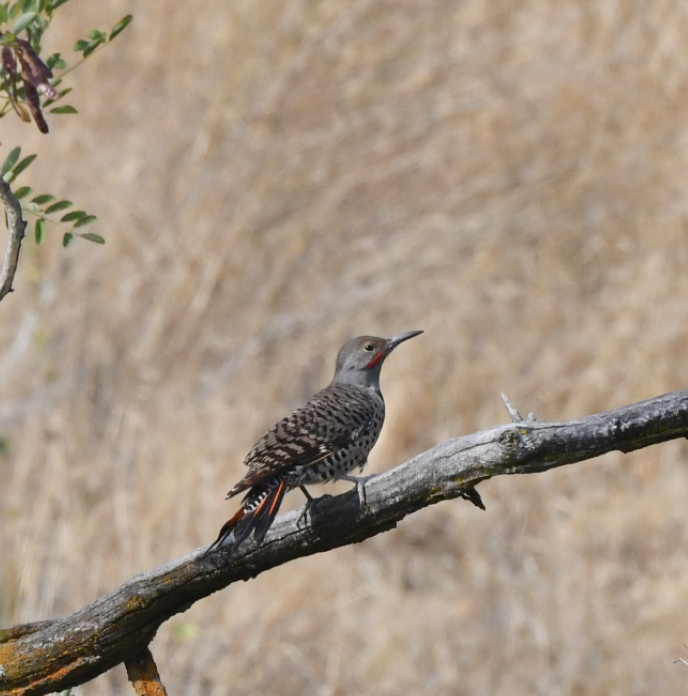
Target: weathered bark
x=143 y=675
x=51 y=656
x=16 y=227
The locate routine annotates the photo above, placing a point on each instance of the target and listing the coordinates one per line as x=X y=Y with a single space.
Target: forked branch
x=54 y=655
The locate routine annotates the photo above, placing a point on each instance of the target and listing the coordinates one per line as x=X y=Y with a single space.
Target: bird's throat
x=376 y=360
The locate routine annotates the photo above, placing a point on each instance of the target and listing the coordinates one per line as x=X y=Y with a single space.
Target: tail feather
x=266 y=512
x=255 y=517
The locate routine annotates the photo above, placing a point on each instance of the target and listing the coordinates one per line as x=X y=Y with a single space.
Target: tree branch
x=15 y=226
x=143 y=674
x=51 y=656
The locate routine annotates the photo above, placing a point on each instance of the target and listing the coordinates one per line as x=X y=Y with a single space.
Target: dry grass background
x=275 y=178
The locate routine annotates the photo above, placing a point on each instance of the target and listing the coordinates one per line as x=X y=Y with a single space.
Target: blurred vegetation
x=24 y=77
x=274 y=180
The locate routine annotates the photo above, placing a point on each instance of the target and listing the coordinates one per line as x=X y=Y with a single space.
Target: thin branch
x=143 y=674
x=515 y=416
x=46 y=657
x=16 y=226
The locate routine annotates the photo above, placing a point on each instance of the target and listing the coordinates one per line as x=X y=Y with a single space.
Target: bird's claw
x=360 y=482
x=306 y=508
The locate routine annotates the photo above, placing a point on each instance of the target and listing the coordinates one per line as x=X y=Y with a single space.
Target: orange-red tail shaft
x=256 y=515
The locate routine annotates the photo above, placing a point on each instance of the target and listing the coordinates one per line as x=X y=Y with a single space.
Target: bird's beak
x=392 y=343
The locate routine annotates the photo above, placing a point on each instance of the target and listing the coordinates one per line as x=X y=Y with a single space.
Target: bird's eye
x=368 y=347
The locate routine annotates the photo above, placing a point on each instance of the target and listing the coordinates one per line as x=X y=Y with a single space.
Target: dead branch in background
x=53 y=655
x=15 y=227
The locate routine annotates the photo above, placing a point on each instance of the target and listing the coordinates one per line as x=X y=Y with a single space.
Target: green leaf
x=92 y=47
x=81 y=44
x=43 y=199
x=56 y=207
x=74 y=215
x=11 y=160
x=66 y=109
x=23 y=191
x=40 y=231
x=96 y=35
x=87 y=220
x=23 y=165
x=121 y=26
x=67 y=239
x=56 y=3
x=56 y=61
x=38 y=26
x=4 y=17
x=23 y=22
x=93 y=237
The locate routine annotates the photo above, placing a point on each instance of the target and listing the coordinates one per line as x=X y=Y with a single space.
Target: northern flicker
x=323 y=440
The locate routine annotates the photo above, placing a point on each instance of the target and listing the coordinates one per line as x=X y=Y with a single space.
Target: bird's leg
x=356 y=479
x=306 y=507
x=310 y=500
x=309 y=497
x=359 y=481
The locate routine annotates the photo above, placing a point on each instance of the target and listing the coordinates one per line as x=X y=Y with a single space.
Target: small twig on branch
x=143 y=674
x=515 y=416
x=680 y=659
x=47 y=657
x=16 y=226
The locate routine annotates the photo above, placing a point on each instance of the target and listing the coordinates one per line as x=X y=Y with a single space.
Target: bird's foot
x=310 y=502
x=359 y=481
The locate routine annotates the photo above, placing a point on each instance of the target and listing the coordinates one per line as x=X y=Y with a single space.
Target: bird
x=323 y=440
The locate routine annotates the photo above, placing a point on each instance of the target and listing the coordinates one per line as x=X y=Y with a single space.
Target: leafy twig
x=44 y=205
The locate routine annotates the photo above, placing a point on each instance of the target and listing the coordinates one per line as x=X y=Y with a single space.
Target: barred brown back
x=329 y=436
